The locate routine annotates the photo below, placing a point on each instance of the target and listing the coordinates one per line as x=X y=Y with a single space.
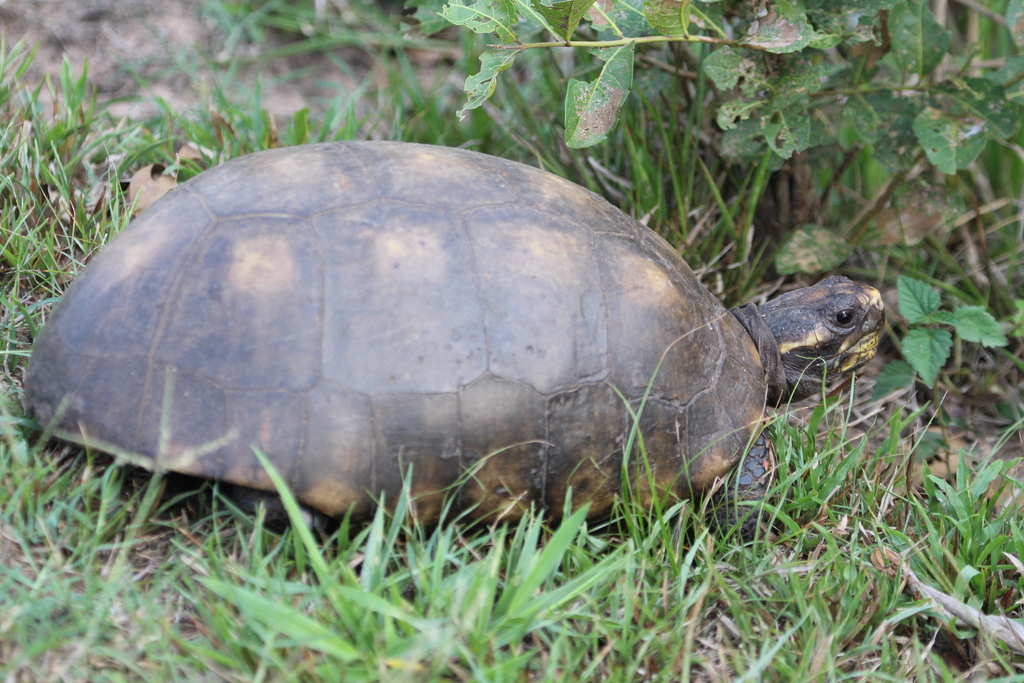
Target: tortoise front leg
x=753 y=477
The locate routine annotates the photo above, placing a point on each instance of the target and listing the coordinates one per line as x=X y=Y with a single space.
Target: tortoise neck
x=767 y=348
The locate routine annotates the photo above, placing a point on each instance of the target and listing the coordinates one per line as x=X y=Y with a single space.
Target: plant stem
x=626 y=41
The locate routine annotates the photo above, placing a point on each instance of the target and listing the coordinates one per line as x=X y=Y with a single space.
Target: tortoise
x=357 y=309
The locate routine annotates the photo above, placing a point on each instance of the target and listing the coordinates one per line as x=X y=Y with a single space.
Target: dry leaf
x=147 y=185
x=189 y=153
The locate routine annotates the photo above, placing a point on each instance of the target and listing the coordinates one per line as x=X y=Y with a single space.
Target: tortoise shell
x=357 y=309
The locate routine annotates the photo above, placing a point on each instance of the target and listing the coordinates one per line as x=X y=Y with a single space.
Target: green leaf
x=917 y=300
x=665 y=16
x=918 y=40
x=887 y=122
x=975 y=324
x=784 y=29
x=428 y=15
x=287 y=620
x=621 y=18
x=868 y=113
x=811 y=249
x=787 y=131
x=741 y=139
x=564 y=16
x=896 y=375
x=591 y=109
x=982 y=101
x=947 y=141
x=484 y=16
x=707 y=15
x=723 y=67
x=480 y=86
x=738 y=110
x=1015 y=20
x=927 y=351
x=824 y=41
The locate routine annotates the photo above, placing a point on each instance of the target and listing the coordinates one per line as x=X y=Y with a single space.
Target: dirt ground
x=140 y=50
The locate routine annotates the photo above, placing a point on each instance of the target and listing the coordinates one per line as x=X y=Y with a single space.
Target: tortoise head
x=830 y=328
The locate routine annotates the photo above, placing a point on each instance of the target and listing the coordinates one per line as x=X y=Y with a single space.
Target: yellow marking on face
x=814 y=340
x=262 y=265
x=861 y=352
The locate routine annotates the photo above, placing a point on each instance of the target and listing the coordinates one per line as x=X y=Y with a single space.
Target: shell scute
x=402 y=314
x=249 y=298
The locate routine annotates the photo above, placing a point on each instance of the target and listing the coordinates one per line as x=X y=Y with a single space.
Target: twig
x=1001 y=628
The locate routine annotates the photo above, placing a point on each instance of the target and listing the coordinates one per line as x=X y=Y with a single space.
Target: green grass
x=109 y=574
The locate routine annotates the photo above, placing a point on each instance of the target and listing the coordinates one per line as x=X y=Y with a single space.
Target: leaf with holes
x=784 y=29
x=788 y=131
x=984 y=103
x=484 y=16
x=723 y=67
x=480 y=86
x=592 y=108
x=950 y=143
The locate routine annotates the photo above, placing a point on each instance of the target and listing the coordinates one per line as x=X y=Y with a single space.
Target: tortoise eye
x=845 y=316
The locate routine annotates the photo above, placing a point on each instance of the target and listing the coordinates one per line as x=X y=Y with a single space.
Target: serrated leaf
x=563 y=16
x=948 y=142
x=975 y=324
x=591 y=109
x=480 y=86
x=895 y=375
x=289 y=621
x=1015 y=20
x=927 y=351
x=811 y=249
x=917 y=300
x=723 y=67
x=784 y=29
x=484 y=16
x=918 y=40
x=787 y=131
